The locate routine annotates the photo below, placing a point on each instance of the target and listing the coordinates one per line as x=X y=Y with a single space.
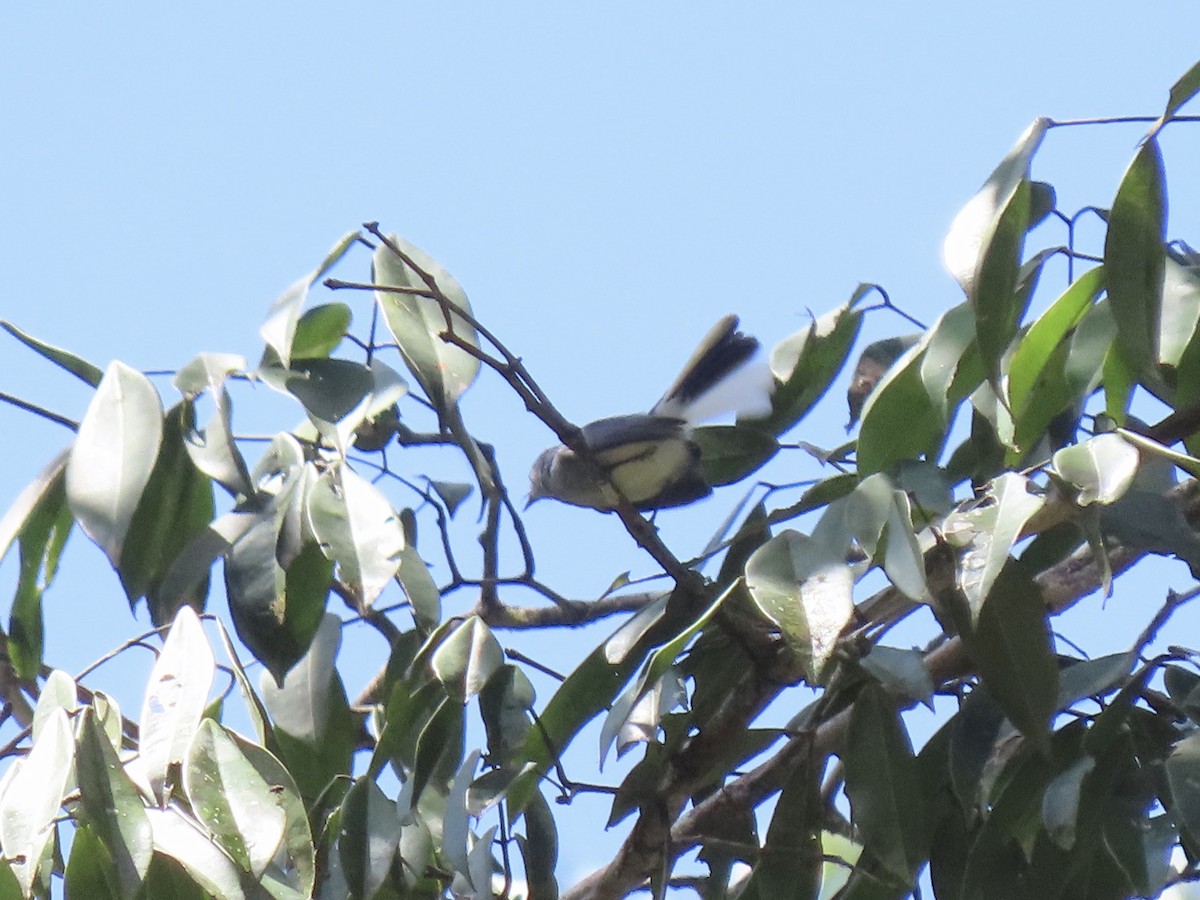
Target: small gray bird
x=651 y=457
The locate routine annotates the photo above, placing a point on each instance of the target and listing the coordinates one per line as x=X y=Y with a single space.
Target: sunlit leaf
x=183 y=840
x=358 y=528
x=320 y=330
x=176 y=697
x=113 y=456
x=1101 y=468
x=454 y=828
x=900 y=671
x=420 y=589
x=467 y=658
x=30 y=805
x=416 y=322
x=796 y=584
x=112 y=805
x=1181 y=92
x=301 y=706
x=236 y=804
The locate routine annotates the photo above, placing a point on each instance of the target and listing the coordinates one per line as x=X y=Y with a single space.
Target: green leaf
x=329 y=389
x=254 y=706
x=301 y=705
x=455 y=830
x=795 y=583
x=1060 y=802
x=1012 y=647
x=176 y=506
x=539 y=849
x=995 y=293
x=368 y=838
x=420 y=589
x=950 y=358
x=80 y=368
x=883 y=785
x=48 y=482
x=451 y=493
x=59 y=692
x=176 y=697
x=1101 y=469
x=790 y=862
x=900 y=671
x=233 y=800
x=297 y=835
x=183 y=840
x=1180 y=312
x=1093 y=677
x=1181 y=92
x=974 y=230
x=1134 y=258
x=439 y=749
x=805 y=364
x=900 y=421
x=275 y=611
x=113 y=456
x=988 y=529
x=730 y=453
x=41 y=537
x=112 y=805
x=90 y=871
x=358 y=528
x=903 y=560
x=504 y=705
x=1049 y=331
x=213 y=450
x=467 y=658
x=1183 y=776
x=320 y=330
x=442 y=369
x=279 y=330
x=32 y=797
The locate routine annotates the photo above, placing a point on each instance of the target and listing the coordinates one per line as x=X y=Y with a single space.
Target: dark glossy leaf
x=1134 y=257
x=730 y=453
x=1092 y=677
x=232 y=799
x=193 y=563
x=275 y=611
x=329 y=389
x=80 y=368
x=805 y=364
x=41 y=536
x=32 y=798
x=883 y=785
x=443 y=370
x=790 y=862
x=504 y=705
x=112 y=805
x=176 y=697
x=1012 y=647
x=368 y=838
x=1183 y=776
x=454 y=827
x=301 y=705
x=176 y=506
x=539 y=849
x=796 y=584
x=439 y=749
x=113 y=456
x=995 y=293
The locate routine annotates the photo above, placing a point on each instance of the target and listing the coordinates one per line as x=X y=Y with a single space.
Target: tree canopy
x=1006 y=465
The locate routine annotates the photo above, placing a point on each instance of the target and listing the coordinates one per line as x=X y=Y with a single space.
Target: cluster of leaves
x=1055 y=776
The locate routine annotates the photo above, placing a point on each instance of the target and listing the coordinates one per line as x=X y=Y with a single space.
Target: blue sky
x=605 y=181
